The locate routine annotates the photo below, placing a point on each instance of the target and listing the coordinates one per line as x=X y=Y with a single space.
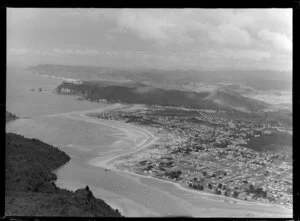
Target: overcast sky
x=155 y=38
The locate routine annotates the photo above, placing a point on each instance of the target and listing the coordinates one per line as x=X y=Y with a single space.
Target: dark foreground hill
x=29 y=187
x=142 y=94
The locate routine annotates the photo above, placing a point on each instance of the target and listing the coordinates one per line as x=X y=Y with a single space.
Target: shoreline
x=120 y=171
x=107 y=161
x=108 y=164
x=203 y=193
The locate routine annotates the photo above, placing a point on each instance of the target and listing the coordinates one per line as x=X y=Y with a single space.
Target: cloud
x=55 y=51
x=144 y=23
x=75 y=51
x=231 y=35
x=223 y=26
x=186 y=26
x=63 y=51
x=239 y=55
x=18 y=51
x=278 y=40
x=173 y=36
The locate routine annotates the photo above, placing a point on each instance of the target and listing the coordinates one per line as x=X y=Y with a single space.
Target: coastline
x=108 y=163
x=201 y=197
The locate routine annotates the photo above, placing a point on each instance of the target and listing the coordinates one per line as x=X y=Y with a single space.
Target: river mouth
x=81 y=138
x=58 y=120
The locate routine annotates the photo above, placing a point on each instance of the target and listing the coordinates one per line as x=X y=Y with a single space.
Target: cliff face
x=29 y=187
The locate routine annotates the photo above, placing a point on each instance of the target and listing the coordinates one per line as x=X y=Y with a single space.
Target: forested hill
x=142 y=94
x=30 y=188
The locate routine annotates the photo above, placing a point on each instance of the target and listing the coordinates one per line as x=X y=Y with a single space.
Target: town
x=207 y=151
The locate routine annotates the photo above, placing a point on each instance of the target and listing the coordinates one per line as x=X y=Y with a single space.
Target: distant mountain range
x=143 y=94
x=235 y=89
x=258 y=79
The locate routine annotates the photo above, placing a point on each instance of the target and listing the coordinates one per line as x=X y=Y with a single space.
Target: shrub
x=209 y=186
x=235 y=194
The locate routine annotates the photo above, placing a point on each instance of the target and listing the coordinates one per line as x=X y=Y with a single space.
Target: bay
x=85 y=140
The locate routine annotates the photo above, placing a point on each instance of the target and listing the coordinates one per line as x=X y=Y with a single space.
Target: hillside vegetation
x=29 y=186
x=141 y=94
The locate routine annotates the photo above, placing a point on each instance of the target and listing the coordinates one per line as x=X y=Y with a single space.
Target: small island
x=9 y=116
x=29 y=185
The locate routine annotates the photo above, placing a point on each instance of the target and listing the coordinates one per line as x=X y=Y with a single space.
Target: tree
x=259 y=190
x=235 y=194
x=201 y=187
x=226 y=193
x=264 y=194
x=209 y=186
x=251 y=188
x=204 y=173
x=217 y=191
x=223 y=187
x=220 y=185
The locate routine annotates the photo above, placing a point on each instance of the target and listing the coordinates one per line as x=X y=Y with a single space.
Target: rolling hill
x=142 y=94
x=236 y=101
x=256 y=79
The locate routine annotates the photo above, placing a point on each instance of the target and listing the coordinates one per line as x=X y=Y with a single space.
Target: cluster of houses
x=206 y=152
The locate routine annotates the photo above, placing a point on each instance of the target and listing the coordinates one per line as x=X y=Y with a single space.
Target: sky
x=204 y=39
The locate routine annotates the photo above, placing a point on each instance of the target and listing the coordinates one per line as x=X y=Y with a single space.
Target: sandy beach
x=144 y=138
x=131 y=193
